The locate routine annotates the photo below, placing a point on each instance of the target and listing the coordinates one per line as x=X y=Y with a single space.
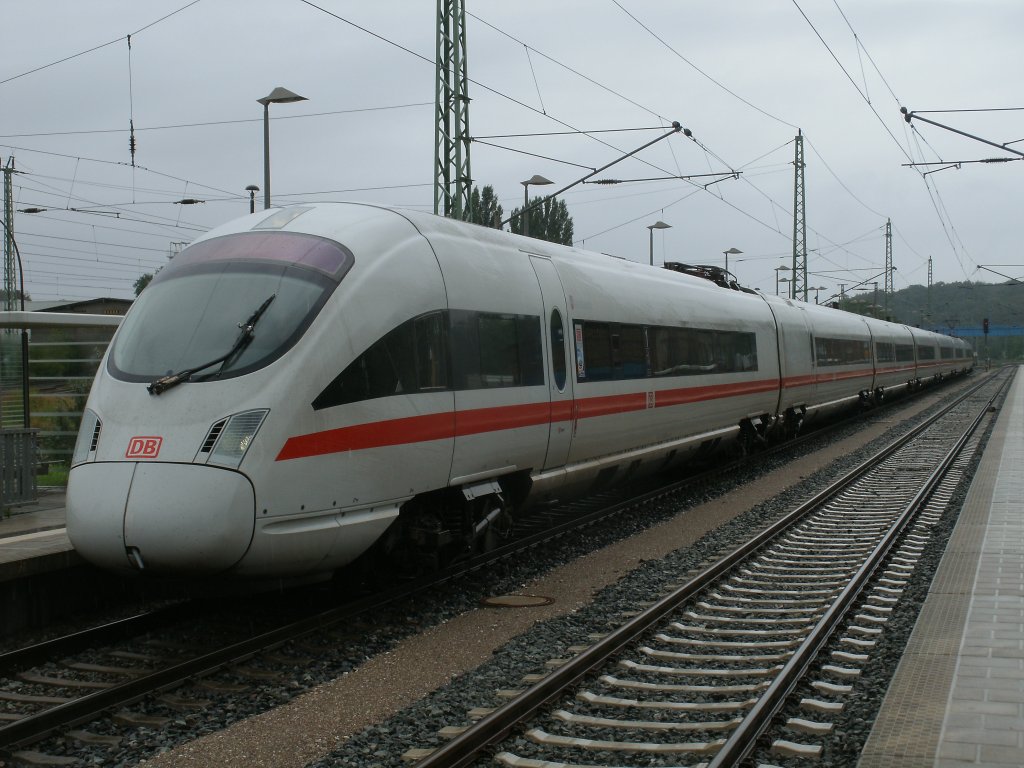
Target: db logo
x=144 y=447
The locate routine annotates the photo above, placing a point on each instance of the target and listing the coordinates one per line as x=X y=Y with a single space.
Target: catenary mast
x=798 y=285
x=452 y=179
x=888 y=265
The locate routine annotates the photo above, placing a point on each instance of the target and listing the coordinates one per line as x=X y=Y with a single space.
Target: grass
x=56 y=476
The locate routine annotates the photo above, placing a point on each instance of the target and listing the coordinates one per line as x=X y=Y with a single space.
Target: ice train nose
x=175 y=519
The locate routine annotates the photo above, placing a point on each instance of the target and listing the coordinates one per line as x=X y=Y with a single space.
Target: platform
x=33 y=539
x=958 y=695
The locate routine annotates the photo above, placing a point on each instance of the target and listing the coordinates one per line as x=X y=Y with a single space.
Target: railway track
x=701 y=675
x=52 y=687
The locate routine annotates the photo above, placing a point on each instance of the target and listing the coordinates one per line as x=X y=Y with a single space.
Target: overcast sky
x=742 y=75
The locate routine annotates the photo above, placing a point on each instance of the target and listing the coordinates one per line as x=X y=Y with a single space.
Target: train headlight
x=88 y=437
x=235 y=438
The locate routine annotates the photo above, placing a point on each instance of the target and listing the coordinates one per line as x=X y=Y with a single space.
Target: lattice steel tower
x=10 y=266
x=799 y=281
x=888 y=265
x=452 y=179
x=928 y=303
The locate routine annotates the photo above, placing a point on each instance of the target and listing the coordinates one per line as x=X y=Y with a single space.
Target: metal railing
x=18 y=483
x=64 y=351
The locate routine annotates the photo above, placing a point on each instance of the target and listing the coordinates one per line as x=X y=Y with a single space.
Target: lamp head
x=536 y=180
x=280 y=96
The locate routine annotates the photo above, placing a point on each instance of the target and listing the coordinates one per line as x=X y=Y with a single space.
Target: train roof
x=333 y=219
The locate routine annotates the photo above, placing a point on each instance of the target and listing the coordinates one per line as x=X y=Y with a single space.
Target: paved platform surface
x=33 y=539
x=958 y=695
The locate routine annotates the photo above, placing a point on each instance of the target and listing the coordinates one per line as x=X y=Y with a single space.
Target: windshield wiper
x=165 y=383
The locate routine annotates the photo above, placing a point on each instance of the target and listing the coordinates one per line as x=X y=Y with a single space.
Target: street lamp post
x=733 y=251
x=816 y=289
x=277 y=96
x=651 y=228
x=537 y=180
x=252 y=189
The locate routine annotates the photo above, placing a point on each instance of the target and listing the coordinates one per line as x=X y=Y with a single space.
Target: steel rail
x=744 y=737
x=463 y=749
x=36 y=726
x=130 y=626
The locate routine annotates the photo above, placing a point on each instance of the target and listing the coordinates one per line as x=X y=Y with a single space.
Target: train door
x=798 y=386
x=560 y=380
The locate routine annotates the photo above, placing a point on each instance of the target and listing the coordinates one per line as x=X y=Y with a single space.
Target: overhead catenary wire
x=208 y=123
x=542 y=71
x=131 y=108
x=115 y=162
x=850 y=78
x=97 y=47
x=531 y=154
x=931 y=189
x=566 y=67
x=861 y=47
x=703 y=146
x=841 y=182
x=980 y=109
x=476 y=83
x=536 y=134
x=706 y=149
x=700 y=71
x=536 y=85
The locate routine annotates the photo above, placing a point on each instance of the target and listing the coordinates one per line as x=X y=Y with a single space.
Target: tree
x=484 y=208
x=549 y=221
x=142 y=282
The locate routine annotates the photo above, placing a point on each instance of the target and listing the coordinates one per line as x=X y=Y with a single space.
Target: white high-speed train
x=303 y=382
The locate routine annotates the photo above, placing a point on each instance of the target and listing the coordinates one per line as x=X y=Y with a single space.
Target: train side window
x=531 y=350
x=657 y=341
x=431 y=352
x=496 y=350
x=841 y=351
x=630 y=352
x=557 y=349
x=905 y=353
x=499 y=351
x=736 y=351
x=597 y=351
x=465 y=340
x=390 y=365
x=700 y=350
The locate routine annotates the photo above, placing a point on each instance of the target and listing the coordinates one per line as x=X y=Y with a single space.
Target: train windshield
x=194 y=309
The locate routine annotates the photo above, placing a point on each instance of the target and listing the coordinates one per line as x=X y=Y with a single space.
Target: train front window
x=192 y=312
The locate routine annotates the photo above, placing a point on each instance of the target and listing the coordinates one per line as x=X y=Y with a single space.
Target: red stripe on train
x=441 y=426
x=435 y=426
x=699 y=394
